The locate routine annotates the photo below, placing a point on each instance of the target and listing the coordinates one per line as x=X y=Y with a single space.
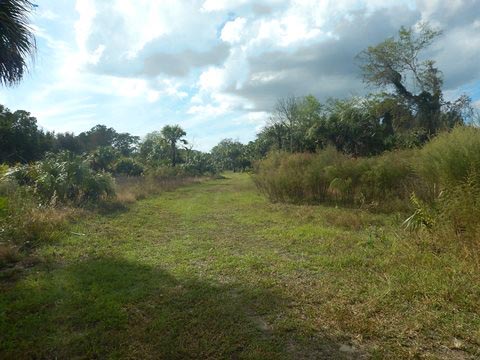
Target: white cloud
x=47 y=14
x=233 y=30
x=218 y=5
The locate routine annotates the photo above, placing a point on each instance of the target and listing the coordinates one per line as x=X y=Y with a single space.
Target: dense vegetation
x=392 y=151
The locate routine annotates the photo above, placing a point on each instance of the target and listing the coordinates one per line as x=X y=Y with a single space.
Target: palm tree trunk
x=174 y=155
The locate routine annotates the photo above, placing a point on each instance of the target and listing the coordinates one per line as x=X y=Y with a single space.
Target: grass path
x=213 y=270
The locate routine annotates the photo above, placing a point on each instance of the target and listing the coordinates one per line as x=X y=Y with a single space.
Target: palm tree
x=17 y=42
x=173 y=134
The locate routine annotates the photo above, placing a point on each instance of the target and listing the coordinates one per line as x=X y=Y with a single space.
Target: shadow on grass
x=118 y=309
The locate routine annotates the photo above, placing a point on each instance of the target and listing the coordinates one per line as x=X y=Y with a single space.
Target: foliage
x=422 y=216
x=458 y=209
x=129 y=167
x=104 y=158
x=450 y=157
x=396 y=63
x=439 y=182
x=231 y=155
x=17 y=43
x=24 y=224
x=198 y=163
x=63 y=178
x=330 y=176
x=172 y=135
x=22 y=140
x=154 y=150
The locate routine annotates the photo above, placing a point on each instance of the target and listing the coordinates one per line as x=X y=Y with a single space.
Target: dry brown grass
x=131 y=189
x=8 y=255
x=354 y=220
x=37 y=225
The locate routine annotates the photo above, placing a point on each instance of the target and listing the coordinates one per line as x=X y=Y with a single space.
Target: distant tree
x=284 y=118
x=128 y=167
x=199 y=163
x=20 y=138
x=290 y=123
x=154 y=149
x=397 y=63
x=173 y=134
x=68 y=141
x=125 y=143
x=353 y=129
x=310 y=113
x=103 y=158
x=97 y=136
x=17 y=42
x=230 y=154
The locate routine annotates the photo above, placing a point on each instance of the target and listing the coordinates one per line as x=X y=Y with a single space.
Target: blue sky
x=216 y=67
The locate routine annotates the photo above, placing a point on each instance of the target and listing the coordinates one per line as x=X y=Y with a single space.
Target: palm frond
x=17 y=41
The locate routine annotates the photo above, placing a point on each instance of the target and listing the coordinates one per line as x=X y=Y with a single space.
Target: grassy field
x=213 y=270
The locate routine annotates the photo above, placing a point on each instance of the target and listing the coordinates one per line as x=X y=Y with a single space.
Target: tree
x=103 y=158
x=397 y=63
x=353 y=129
x=68 y=141
x=229 y=154
x=284 y=118
x=17 y=42
x=125 y=143
x=20 y=138
x=97 y=136
x=173 y=134
x=290 y=122
x=154 y=149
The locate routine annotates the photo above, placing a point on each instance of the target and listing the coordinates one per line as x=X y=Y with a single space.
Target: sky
x=217 y=67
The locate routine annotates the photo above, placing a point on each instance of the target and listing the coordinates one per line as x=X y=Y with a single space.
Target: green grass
x=213 y=270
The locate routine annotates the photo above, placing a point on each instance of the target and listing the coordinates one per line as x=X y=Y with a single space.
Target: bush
x=128 y=167
x=450 y=158
x=450 y=166
x=63 y=178
x=103 y=158
x=198 y=164
x=330 y=176
x=24 y=223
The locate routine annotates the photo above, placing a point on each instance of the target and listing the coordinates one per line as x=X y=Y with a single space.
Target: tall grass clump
x=26 y=223
x=295 y=177
x=450 y=166
x=450 y=158
x=332 y=177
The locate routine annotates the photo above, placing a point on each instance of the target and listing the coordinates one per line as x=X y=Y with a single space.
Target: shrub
x=329 y=176
x=450 y=158
x=450 y=167
x=103 y=158
x=198 y=164
x=128 y=167
x=63 y=178
x=24 y=223
x=3 y=170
